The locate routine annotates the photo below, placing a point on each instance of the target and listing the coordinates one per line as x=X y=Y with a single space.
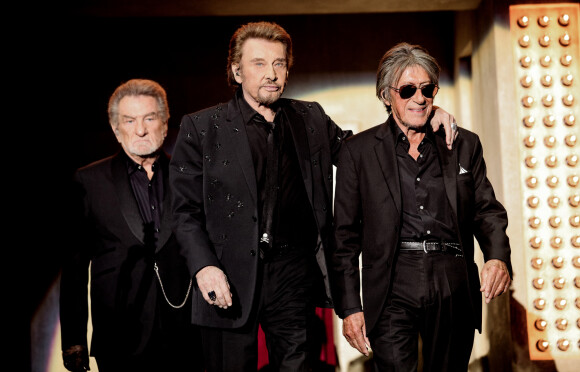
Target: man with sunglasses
x=411 y=207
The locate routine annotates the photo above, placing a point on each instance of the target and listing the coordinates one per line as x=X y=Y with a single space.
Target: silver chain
x=163 y=289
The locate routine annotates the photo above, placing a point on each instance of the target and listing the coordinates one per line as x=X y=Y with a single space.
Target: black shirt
x=149 y=196
x=427 y=214
x=293 y=221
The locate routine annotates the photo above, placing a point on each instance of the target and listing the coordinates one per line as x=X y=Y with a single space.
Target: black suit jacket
x=216 y=198
x=109 y=234
x=368 y=216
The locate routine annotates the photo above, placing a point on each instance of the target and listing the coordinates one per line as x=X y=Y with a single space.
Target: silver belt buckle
x=425 y=246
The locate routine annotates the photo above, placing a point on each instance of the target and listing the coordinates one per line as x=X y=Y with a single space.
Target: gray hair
x=396 y=60
x=138 y=87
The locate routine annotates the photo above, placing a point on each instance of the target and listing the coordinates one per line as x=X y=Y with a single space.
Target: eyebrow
x=259 y=59
x=145 y=115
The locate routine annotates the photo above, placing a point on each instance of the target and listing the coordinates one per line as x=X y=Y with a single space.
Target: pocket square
x=462 y=170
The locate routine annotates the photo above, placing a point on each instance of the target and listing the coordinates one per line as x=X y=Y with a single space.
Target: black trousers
x=430 y=299
x=174 y=345
x=284 y=309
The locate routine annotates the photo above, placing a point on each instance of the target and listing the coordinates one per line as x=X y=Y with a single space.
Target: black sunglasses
x=408 y=91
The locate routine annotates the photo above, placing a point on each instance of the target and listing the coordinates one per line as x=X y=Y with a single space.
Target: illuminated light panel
x=545 y=42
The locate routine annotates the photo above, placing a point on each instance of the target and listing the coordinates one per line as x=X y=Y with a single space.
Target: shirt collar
x=248 y=113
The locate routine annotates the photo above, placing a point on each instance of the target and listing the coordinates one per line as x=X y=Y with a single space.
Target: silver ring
x=454 y=126
x=212 y=295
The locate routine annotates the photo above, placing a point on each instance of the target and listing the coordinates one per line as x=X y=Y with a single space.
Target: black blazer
x=108 y=233
x=368 y=216
x=216 y=198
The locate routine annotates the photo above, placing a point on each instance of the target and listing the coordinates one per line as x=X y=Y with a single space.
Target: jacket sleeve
x=346 y=248
x=186 y=180
x=74 y=281
x=490 y=219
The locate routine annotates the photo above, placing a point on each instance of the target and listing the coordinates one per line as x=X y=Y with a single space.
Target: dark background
x=68 y=66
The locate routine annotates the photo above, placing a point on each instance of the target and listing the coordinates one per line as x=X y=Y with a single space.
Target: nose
x=140 y=127
x=418 y=96
x=271 y=73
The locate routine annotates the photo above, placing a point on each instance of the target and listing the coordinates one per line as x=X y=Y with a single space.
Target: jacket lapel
x=166 y=228
x=387 y=158
x=448 y=161
x=239 y=138
x=127 y=202
x=298 y=129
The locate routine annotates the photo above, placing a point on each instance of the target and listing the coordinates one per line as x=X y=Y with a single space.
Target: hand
x=213 y=279
x=495 y=279
x=441 y=116
x=76 y=358
x=354 y=330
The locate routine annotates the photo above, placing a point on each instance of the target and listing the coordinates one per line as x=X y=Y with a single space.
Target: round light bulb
x=542 y=345
x=571 y=140
x=538 y=283
x=523 y=21
x=528 y=101
x=553 y=201
x=572 y=160
x=573 y=180
x=550 y=141
x=546 y=80
x=552 y=181
x=544 y=40
x=530 y=141
x=525 y=61
x=565 y=39
x=564 y=19
x=568 y=99
x=563 y=344
x=566 y=60
x=561 y=324
x=535 y=242
x=545 y=61
x=534 y=222
x=560 y=303
x=544 y=21
x=529 y=121
x=549 y=120
x=575 y=221
x=567 y=79
x=533 y=201
x=537 y=263
x=558 y=262
x=526 y=81
x=555 y=221
x=531 y=161
x=555 y=242
x=552 y=160
x=532 y=182
x=574 y=200
x=540 y=324
x=524 y=41
x=559 y=282
x=539 y=303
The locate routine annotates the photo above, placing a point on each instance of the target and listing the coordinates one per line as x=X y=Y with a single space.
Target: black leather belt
x=432 y=246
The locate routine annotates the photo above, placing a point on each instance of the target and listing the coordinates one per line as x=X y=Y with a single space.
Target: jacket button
x=252 y=252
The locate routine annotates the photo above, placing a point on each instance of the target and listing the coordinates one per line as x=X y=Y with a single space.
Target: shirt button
x=418 y=179
x=421 y=207
x=153 y=207
x=428 y=231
